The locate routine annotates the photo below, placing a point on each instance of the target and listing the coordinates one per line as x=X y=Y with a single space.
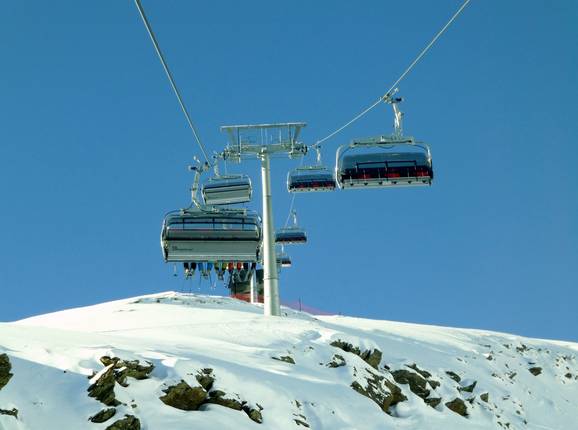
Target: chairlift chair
x=283 y=260
x=384 y=161
x=212 y=236
x=384 y=166
x=291 y=235
x=311 y=178
x=225 y=190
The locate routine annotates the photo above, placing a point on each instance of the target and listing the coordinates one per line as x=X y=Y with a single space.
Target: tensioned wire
x=386 y=95
x=329 y=136
x=403 y=75
x=171 y=80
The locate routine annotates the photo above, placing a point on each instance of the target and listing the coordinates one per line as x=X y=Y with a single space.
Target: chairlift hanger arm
x=198 y=170
x=401 y=77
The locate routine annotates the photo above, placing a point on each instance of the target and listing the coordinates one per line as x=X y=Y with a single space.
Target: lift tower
x=262 y=141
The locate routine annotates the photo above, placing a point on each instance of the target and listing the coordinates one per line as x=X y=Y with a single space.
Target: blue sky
x=94 y=151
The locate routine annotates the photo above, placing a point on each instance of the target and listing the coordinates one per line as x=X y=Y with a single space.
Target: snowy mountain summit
x=179 y=361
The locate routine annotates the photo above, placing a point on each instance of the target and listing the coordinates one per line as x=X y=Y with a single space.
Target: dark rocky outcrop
x=103 y=389
x=117 y=370
x=129 y=422
x=417 y=384
x=522 y=348
x=370 y=356
x=217 y=397
x=254 y=414
x=183 y=396
x=205 y=378
x=285 y=358
x=300 y=423
x=5 y=368
x=11 y=412
x=454 y=376
x=103 y=415
x=468 y=388
x=458 y=406
x=424 y=373
x=217 y=393
x=337 y=361
x=127 y=368
x=485 y=397
x=383 y=392
x=433 y=402
x=535 y=370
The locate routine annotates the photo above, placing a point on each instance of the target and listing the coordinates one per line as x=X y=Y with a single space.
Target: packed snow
x=292 y=372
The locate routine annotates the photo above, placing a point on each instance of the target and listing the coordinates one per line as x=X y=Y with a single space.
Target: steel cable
x=171 y=80
x=402 y=76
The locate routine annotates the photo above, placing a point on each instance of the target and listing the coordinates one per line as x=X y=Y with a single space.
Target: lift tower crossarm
x=238 y=149
x=285 y=143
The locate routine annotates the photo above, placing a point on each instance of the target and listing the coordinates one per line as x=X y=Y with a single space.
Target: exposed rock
x=5 y=368
x=535 y=370
x=126 y=368
x=468 y=388
x=205 y=378
x=433 y=402
x=383 y=392
x=254 y=414
x=454 y=376
x=285 y=358
x=183 y=396
x=485 y=397
x=458 y=406
x=221 y=400
x=424 y=373
x=103 y=389
x=217 y=393
x=12 y=412
x=568 y=375
x=522 y=348
x=417 y=384
x=103 y=415
x=347 y=347
x=130 y=422
x=370 y=356
x=337 y=361
x=300 y=423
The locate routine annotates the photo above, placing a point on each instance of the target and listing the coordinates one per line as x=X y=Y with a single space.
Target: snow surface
x=53 y=357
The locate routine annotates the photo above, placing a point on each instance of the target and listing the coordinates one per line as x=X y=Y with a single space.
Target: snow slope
x=53 y=357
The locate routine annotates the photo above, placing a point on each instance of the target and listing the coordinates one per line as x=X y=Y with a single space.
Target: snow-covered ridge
x=172 y=361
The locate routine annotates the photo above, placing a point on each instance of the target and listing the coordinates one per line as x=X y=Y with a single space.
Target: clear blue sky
x=93 y=151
